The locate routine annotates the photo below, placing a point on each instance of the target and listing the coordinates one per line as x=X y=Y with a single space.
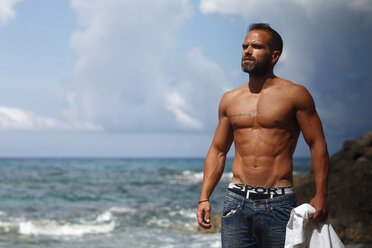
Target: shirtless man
x=264 y=118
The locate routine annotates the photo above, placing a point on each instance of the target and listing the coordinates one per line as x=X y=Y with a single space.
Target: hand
x=203 y=215
x=321 y=208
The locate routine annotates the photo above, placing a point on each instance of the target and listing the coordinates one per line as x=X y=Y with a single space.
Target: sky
x=121 y=78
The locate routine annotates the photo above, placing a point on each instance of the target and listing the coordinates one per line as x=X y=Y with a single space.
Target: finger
x=201 y=221
x=320 y=216
x=200 y=217
x=204 y=225
x=315 y=215
x=207 y=217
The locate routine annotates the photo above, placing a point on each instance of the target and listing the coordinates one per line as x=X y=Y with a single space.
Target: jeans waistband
x=277 y=201
x=258 y=192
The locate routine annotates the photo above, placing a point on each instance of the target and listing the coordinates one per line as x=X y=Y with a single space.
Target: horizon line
x=117 y=157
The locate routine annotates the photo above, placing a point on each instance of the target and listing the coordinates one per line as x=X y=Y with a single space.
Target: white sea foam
x=2 y=213
x=188 y=213
x=104 y=223
x=161 y=222
x=188 y=176
x=179 y=219
x=122 y=210
x=8 y=226
x=104 y=217
x=216 y=244
x=54 y=228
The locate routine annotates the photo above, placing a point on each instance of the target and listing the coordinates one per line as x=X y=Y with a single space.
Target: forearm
x=320 y=166
x=213 y=170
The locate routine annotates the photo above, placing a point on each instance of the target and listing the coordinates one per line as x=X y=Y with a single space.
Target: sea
x=107 y=202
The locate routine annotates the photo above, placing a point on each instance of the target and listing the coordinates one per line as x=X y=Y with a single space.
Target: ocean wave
x=187 y=213
x=102 y=224
x=105 y=217
x=54 y=228
x=8 y=227
x=122 y=210
x=160 y=222
x=189 y=176
x=183 y=220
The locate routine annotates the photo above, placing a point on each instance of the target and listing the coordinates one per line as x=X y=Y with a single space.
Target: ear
x=275 y=56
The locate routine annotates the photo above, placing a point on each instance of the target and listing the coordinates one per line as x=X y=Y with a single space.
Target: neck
x=258 y=82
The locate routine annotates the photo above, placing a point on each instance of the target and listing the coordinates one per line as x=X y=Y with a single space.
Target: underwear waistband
x=258 y=192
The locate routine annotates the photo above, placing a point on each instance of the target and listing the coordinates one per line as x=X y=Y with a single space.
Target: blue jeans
x=255 y=223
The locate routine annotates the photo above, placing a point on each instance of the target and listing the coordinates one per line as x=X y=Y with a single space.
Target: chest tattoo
x=240 y=115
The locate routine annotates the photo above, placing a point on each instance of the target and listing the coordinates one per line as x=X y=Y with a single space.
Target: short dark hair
x=276 y=42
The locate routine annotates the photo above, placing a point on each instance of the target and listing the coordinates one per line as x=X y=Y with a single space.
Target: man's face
x=256 y=57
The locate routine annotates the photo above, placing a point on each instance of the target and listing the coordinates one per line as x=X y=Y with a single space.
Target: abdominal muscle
x=263 y=157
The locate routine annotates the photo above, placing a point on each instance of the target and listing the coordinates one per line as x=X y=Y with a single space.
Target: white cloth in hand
x=303 y=232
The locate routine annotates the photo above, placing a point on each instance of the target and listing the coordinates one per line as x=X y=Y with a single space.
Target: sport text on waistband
x=252 y=192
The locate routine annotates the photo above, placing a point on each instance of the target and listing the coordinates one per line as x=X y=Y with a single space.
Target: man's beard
x=257 y=68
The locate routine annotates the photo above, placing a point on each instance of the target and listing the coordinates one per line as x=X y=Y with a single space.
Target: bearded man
x=263 y=118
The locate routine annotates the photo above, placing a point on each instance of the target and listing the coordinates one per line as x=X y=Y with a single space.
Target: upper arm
x=223 y=136
x=307 y=117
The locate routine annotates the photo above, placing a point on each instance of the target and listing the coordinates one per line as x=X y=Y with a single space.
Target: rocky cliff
x=350 y=190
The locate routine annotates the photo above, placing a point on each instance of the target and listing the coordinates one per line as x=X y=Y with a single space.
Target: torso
x=265 y=134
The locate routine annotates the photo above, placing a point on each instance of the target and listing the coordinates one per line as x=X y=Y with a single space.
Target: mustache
x=249 y=57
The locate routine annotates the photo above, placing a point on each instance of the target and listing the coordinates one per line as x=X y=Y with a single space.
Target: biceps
x=311 y=127
x=223 y=137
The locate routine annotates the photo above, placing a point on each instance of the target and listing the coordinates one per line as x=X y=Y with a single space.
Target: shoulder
x=297 y=93
x=300 y=96
x=227 y=97
x=289 y=85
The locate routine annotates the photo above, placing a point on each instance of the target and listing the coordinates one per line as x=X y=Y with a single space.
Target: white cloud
x=7 y=12
x=123 y=50
x=129 y=75
x=17 y=119
x=176 y=104
x=201 y=82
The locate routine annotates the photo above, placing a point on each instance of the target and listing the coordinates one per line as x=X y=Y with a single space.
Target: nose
x=248 y=50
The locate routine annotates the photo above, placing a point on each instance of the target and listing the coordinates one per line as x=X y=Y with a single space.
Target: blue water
x=106 y=202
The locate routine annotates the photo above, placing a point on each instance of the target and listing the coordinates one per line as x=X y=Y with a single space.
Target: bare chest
x=266 y=111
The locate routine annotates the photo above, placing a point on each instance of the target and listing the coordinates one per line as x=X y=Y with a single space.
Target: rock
x=347 y=145
x=367 y=152
x=360 y=144
x=349 y=191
